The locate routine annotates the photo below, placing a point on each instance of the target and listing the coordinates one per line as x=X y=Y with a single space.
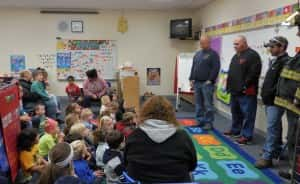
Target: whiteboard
x=184 y=66
x=256 y=40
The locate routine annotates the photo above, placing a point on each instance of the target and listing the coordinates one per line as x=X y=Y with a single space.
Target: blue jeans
x=204 y=103
x=51 y=108
x=243 y=110
x=272 y=147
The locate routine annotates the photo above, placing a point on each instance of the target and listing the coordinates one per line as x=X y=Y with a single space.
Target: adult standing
x=94 y=87
x=204 y=72
x=242 y=84
x=288 y=83
x=273 y=143
x=159 y=151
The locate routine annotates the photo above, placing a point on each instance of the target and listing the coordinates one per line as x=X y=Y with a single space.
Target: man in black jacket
x=242 y=83
x=272 y=147
x=205 y=69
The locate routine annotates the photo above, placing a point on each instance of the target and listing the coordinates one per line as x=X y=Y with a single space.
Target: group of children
x=96 y=143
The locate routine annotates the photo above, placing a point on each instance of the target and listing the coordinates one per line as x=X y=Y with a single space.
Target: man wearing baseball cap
x=272 y=148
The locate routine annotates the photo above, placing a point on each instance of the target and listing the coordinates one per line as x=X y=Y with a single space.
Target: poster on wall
x=153 y=76
x=47 y=61
x=221 y=92
x=17 y=63
x=75 y=57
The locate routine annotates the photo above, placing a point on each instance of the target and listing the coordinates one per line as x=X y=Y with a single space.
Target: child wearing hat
x=50 y=138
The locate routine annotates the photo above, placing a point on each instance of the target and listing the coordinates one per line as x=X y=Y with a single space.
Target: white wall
x=146 y=44
x=220 y=11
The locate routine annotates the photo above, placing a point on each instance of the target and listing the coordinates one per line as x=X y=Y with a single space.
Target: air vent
x=69 y=11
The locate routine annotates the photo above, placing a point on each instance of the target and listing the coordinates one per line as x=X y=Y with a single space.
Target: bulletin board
x=75 y=57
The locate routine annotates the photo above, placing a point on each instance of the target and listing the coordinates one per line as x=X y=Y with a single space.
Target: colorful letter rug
x=220 y=161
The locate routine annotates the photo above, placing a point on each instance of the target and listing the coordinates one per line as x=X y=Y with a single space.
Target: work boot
x=263 y=163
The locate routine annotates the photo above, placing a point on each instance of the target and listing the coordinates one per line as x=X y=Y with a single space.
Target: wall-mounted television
x=181 y=28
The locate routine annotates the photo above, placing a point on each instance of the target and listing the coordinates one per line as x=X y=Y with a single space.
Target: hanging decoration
x=122 y=24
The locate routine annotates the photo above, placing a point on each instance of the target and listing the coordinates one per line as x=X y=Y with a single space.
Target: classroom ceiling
x=106 y=4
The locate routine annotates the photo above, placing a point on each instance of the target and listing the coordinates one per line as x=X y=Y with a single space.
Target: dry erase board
x=75 y=57
x=256 y=40
x=184 y=66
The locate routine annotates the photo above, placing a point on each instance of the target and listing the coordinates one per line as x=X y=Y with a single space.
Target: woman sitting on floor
x=157 y=144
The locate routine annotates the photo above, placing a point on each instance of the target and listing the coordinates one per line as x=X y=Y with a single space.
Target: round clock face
x=63 y=26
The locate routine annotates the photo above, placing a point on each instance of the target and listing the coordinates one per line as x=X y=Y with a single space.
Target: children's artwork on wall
x=75 y=57
x=153 y=76
x=221 y=92
x=17 y=63
x=47 y=61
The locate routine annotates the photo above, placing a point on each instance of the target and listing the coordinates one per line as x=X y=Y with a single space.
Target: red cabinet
x=10 y=124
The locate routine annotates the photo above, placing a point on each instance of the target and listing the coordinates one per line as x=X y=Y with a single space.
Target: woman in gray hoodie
x=159 y=151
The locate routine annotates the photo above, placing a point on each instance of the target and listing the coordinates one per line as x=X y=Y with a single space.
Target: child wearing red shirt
x=72 y=89
x=128 y=124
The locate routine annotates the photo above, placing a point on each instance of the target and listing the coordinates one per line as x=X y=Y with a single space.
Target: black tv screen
x=181 y=28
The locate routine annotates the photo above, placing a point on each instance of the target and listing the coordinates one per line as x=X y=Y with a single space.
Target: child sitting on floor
x=39 y=118
x=31 y=163
x=80 y=129
x=70 y=120
x=73 y=108
x=128 y=123
x=86 y=118
x=105 y=103
x=113 y=157
x=106 y=124
x=99 y=138
x=73 y=91
x=81 y=167
x=50 y=138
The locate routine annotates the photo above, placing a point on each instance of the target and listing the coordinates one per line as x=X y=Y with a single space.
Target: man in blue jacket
x=204 y=72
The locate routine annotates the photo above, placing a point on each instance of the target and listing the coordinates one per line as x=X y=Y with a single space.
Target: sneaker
x=230 y=134
x=244 y=141
x=285 y=175
x=207 y=127
x=263 y=163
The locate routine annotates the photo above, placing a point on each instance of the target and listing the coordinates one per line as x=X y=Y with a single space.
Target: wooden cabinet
x=129 y=90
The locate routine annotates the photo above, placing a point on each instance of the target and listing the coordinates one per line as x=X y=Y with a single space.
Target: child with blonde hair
x=105 y=103
x=70 y=120
x=106 y=124
x=81 y=167
x=86 y=118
